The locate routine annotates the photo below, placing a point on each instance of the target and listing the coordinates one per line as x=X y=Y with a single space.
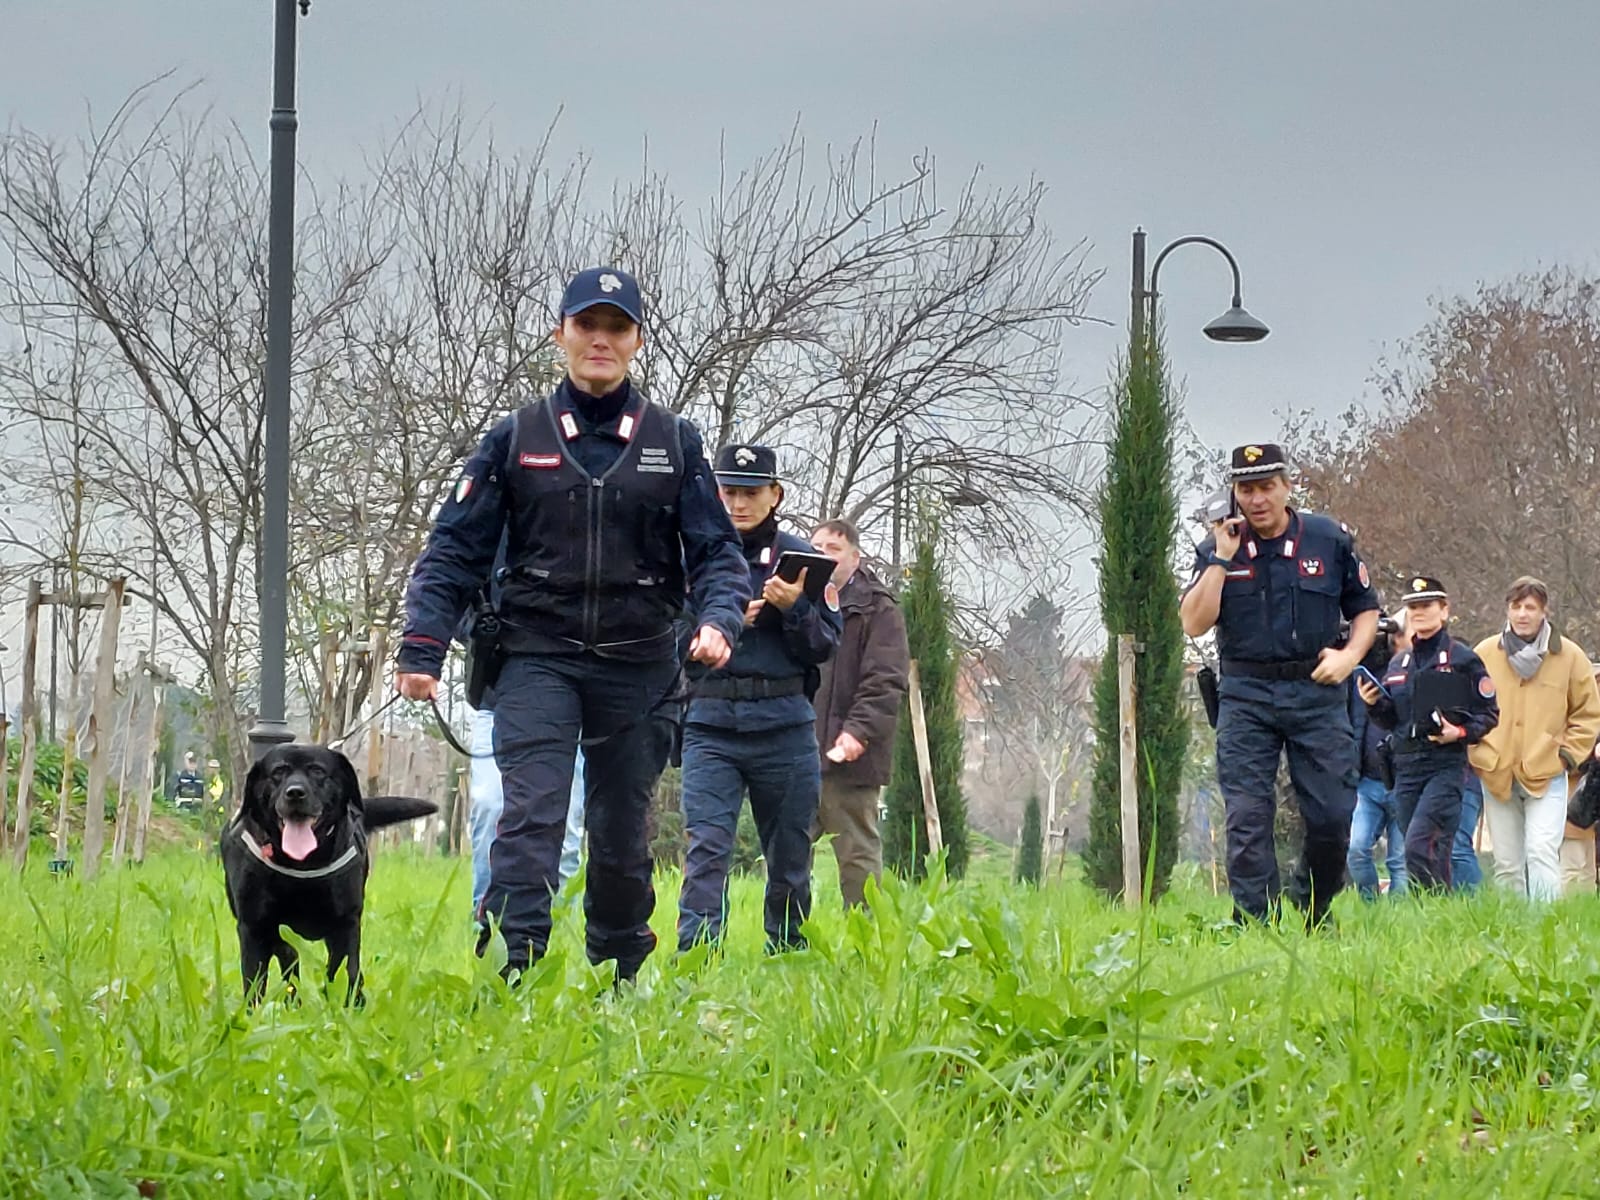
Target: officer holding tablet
x=750 y=725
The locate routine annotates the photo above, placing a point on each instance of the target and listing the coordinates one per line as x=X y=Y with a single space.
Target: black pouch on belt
x=1206 y=680
x=484 y=656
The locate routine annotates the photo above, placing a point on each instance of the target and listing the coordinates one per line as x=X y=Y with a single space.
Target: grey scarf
x=1526 y=656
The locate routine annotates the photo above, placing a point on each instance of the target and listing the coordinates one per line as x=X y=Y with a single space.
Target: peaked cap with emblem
x=1422 y=588
x=744 y=465
x=1256 y=460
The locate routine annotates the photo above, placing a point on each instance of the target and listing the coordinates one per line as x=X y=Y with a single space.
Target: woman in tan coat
x=1549 y=719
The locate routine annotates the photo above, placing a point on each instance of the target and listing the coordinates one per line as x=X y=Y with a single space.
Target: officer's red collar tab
x=626 y=423
x=1290 y=538
x=622 y=427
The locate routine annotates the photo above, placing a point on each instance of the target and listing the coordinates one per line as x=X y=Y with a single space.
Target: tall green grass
x=970 y=1040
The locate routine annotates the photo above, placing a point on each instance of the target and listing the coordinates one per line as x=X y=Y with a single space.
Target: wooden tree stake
x=1127 y=691
x=97 y=737
x=919 y=733
x=30 y=724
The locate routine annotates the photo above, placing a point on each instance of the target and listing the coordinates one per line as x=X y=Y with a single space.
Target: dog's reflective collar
x=333 y=868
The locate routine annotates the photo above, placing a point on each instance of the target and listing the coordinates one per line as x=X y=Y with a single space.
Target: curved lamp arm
x=1155 y=271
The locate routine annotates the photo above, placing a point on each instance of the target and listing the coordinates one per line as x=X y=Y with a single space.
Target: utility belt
x=1298 y=668
x=748 y=687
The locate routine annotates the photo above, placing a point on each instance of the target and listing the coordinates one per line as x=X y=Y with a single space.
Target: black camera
x=1218 y=506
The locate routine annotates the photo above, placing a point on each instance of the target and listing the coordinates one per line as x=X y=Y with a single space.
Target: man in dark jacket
x=858 y=706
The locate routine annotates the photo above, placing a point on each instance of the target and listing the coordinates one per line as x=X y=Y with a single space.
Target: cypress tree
x=1030 y=855
x=1139 y=595
x=927 y=612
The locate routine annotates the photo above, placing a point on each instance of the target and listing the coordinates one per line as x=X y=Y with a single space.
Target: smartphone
x=1363 y=673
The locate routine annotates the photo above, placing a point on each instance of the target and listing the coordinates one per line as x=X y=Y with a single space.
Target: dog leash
x=360 y=725
x=672 y=694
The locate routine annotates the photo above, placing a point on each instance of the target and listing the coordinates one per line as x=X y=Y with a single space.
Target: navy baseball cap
x=746 y=465
x=603 y=285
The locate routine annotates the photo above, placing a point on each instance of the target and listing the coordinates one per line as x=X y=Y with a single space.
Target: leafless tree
x=1481 y=464
x=145 y=242
x=834 y=312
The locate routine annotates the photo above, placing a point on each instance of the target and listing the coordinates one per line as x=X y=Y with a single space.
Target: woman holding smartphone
x=1438 y=698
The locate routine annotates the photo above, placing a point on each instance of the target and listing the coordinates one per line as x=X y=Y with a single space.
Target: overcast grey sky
x=1358 y=157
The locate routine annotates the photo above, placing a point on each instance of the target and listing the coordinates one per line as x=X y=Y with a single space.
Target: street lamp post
x=271 y=728
x=1235 y=325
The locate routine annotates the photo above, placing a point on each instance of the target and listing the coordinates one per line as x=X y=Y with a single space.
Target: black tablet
x=819 y=568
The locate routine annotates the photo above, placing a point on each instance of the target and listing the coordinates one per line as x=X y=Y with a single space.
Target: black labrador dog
x=296 y=855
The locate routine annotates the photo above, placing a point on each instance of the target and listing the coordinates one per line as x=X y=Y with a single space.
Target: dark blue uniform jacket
x=1283 y=597
x=1441 y=652
x=780 y=645
x=462 y=547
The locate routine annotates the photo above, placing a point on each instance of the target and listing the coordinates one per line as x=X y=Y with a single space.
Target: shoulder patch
x=463 y=489
x=1362 y=574
x=831 y=595
x=1486 y=688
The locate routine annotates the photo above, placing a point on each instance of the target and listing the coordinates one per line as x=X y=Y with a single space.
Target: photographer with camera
x=1438 y=698
x=1275 y=583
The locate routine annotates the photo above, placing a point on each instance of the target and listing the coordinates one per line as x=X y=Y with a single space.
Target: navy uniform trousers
x=1259 y=720
x=543 y=702
x=1429 y=783
x=783 y=773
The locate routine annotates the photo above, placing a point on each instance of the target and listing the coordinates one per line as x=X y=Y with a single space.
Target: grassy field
x=972 y=1040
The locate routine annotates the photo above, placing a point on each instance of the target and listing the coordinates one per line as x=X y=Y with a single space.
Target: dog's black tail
x=378 y=811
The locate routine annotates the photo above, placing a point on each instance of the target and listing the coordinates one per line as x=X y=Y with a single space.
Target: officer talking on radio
x=612 y=522
x=1275 y=583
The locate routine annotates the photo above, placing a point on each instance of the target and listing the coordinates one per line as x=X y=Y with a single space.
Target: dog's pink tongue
x=298 y=839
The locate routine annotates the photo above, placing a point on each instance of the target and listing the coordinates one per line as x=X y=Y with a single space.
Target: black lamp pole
x=271 y=727
x=1235 y=325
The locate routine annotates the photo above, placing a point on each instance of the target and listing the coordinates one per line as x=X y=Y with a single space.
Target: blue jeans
x=1374 y=818
x=1465 y=872
x=487 y=801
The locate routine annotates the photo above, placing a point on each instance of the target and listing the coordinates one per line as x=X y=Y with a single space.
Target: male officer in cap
x=751 y=726
x=1275 y=583
x=1438 y=698
x=611 y=520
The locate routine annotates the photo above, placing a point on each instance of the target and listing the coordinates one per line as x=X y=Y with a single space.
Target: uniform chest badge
x=541 y=462
x=1312 y=568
